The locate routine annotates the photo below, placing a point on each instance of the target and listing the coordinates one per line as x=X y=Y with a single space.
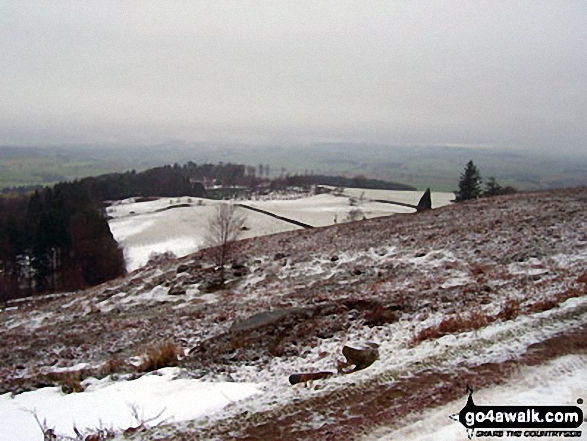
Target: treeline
x=197 y=180
x=175 y=180
x=20 y=191
x=55 y=240
x=470 y=185
x=341 y=181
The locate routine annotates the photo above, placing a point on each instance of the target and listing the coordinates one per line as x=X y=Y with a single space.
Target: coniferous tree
x=492 y=187
x=469 y=183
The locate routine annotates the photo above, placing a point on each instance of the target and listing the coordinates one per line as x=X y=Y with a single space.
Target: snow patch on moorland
x=105 y=404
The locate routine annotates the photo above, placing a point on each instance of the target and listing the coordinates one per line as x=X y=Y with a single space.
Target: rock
x=238 y=265
x=49 y=435
x=267 y=331
x=267 y=318
x=334 y=259
x=311 y=376
x=361 y=356
x=425 y=202
x=241 y=272
x=129 y=432
x=279 y=256
x=239 y=269
x=176 y=291
x=182 y=268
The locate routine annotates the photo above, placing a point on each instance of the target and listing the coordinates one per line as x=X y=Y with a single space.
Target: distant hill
x=437 y=167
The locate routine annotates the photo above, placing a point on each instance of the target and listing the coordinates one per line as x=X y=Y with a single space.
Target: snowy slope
x=472 y=293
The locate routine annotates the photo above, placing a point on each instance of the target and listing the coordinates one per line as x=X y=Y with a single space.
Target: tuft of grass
x=453 y=324
x=113 y=366
x=543 y=305
x=157 y=357
x=71 y=383
x=510 y=310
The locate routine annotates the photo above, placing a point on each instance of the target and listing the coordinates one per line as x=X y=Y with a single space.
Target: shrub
x=380 y=315
x=159 y=357
x=158 y=259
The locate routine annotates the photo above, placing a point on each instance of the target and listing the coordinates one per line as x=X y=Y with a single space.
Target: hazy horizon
x=507 y=75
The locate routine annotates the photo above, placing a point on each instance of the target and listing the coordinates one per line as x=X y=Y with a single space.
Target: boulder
x=270 y=318
x=361 y=356
x=182 y=268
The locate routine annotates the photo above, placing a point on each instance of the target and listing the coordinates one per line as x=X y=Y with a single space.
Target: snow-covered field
x=439 y=199
x=144 y=228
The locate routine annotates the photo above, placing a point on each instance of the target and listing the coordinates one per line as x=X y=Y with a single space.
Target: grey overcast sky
x=509 y=73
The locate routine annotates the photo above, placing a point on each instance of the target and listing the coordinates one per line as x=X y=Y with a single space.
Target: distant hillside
x=437 y=167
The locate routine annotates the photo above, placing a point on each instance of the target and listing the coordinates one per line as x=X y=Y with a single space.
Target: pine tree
x=492 y=187
x=469 y=184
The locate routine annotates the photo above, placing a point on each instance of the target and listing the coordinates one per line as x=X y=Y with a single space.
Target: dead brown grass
x=554 y=301
x=453 y=324
x=115 y=365
x=542 y=305
x=510 y=309
x=157 y=357
x=71 y=383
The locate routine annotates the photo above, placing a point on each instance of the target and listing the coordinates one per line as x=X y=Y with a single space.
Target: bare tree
x=225 y=227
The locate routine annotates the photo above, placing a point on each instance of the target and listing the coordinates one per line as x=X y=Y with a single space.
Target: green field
x=436 y=167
